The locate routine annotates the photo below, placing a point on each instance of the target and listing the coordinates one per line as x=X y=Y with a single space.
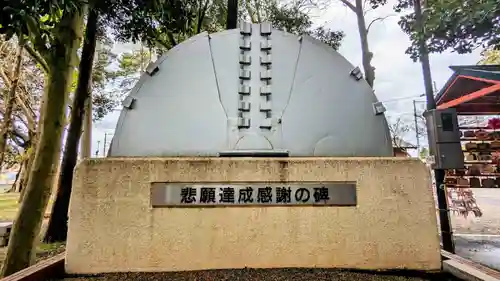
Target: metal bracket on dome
x=378 y=108
x=265 y=28
x=255 y=153
x=152 y=68
x=128 y=102
x=356 y=73
x=245 y=28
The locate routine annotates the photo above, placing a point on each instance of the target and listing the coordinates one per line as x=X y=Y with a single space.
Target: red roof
x=472 y=90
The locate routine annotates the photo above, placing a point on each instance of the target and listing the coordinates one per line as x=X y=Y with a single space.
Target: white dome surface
x=251 y=89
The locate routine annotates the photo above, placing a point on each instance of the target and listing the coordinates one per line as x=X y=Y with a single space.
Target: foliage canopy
x=458 y=25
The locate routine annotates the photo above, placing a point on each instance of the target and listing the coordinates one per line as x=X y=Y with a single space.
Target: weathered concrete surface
x=478 y=238
x=479 y=248
x=112 y=227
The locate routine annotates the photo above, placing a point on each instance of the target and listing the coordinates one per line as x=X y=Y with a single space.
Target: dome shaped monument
x=248 y=91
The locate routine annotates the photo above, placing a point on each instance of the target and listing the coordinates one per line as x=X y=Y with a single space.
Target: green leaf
x=459 y=25
x=44 y=18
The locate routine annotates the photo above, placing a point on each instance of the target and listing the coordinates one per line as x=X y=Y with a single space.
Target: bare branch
x=4 y=43
x=17 y=141
x=29 y=113
x=367 y=10
x=37 y=57
x=398 y=129
x=377 y=19
x=364 y=6
x=258 y=10
x=251 y=12
x=5 y=78
x=349 y=5
x=171 y=38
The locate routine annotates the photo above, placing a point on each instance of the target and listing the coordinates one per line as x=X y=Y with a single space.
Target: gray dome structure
x=251 y=90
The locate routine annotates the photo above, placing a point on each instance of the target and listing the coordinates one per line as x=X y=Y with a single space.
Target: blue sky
x=397 y=76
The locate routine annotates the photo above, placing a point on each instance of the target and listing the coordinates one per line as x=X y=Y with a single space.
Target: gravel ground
x=268 y=274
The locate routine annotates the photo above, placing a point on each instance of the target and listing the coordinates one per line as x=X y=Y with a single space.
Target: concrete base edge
x=466 y=272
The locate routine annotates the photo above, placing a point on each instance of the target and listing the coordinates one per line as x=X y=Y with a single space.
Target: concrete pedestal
x=114 y=228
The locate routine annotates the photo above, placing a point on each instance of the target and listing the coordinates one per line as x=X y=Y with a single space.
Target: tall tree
x=291 y=17
x=359 y=8
x=427 y=28
x=100 y=101
x=208 y=15
x=28 y=96
x=57 y=228
x=232 y=14
x=490 y=56
x=60 y=24
x=9 y=100
x=401 y=129
x=154 y=23
x=457 y=25
x=129 y=69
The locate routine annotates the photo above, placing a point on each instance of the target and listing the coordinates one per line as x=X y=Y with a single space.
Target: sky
x=398 y=80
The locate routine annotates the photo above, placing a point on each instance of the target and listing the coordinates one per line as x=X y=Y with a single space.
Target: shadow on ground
x=285 y=274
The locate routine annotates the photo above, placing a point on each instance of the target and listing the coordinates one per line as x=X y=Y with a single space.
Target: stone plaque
x=251 y=194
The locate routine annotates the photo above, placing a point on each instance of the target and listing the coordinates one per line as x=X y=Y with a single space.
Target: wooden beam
x=447 y=89
x=469 y=97
x=50 y=268
x=484 y=269
x=465 y=272
x=461 y=76
x=480 y=79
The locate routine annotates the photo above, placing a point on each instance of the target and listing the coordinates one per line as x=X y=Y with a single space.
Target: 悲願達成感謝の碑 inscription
x=278 y=194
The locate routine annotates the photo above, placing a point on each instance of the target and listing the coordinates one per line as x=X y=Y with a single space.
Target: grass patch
x=43 y=251
x=49 y=247
x=8 y=211
x=8 y=206
x=9 y=196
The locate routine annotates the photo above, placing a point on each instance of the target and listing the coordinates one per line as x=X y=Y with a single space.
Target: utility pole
x=417 y=135
x=86 y=139
x=104 y=145
x=444 y=218
x=97 y=151
x=424 y=58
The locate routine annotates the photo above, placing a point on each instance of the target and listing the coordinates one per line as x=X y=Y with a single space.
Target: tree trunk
x=61 y=60
x=22 y=177
x=232 y=14
x=25 y=175
x=30 y=155
x=86 y=143
x=9 y=101
x=15 y=185
x=58 y=224
x=33 y=136
x=365 y=50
